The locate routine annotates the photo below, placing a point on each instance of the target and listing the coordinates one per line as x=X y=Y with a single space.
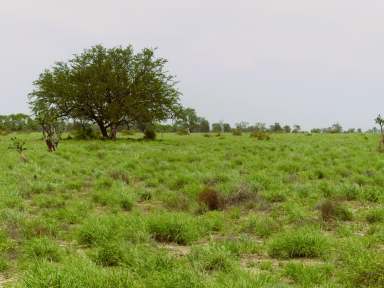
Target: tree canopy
x=109 y=87
x=188 y=120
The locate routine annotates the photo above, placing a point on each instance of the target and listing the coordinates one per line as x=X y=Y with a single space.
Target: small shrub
x=297 y=244
x=19 y=146
x=211 y=199
x=149 y=134
x=260 y=135
x=86 y=132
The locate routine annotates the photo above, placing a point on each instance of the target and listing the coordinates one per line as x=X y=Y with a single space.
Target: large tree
x=109 y=87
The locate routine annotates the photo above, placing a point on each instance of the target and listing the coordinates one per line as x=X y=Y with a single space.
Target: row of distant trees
x=18 y=122
x=188 y=121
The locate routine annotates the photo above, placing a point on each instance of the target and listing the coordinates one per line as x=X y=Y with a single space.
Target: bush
x=149 y=134
x=211 y=199
x=260 y=135
x=86 y=132
x=298 y=244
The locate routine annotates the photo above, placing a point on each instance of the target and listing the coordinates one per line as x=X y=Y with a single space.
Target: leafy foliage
x=109 y=87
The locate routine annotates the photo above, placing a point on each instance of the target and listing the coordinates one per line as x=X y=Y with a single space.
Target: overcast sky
x=305 y=62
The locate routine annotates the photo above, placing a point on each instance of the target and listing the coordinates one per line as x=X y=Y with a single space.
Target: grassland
x=294 y=211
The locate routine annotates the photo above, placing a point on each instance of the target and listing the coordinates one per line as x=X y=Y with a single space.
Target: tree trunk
x=113 y=132
x=103 y=130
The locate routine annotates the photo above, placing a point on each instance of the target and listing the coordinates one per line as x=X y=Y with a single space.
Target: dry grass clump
x=119 y=176
x=243 y=194
x=331 y=210
x=211 y=199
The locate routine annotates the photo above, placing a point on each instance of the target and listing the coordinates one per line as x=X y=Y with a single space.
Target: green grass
x=299 y=243
x=127 y=213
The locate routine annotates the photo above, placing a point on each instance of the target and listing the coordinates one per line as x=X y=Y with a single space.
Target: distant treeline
x=192 y=123
x=18 y=122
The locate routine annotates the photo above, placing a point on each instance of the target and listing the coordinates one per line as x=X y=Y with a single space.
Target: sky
x=306 y=62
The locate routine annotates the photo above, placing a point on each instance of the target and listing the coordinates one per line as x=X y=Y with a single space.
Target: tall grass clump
x=43 y=248
x=211 y=259
x=331 y=210
x=302 y=243
x=375 y=216
x=171 y=227
x=361 y=267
